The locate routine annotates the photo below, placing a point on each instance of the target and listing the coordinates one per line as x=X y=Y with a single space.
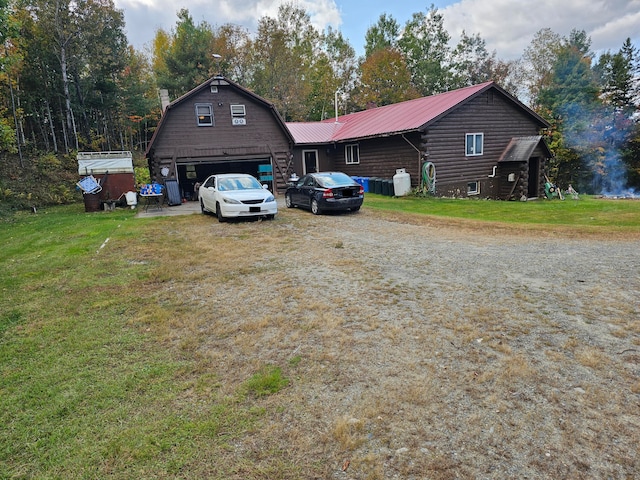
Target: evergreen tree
x=383 y=35
x=571 y=104
x=183 y=59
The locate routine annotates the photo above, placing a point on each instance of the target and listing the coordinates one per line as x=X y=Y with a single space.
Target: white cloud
x=508 y=27
x=145 y=17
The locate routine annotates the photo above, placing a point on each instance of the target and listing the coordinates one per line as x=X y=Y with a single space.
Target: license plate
x=254 y=209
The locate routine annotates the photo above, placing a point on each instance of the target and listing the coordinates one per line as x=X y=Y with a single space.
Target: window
x=474 y=144
x=204 y=114
x=352 y=154
x=238 y=113
x=473 y=188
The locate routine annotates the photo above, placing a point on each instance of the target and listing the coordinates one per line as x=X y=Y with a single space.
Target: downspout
x=417 y=150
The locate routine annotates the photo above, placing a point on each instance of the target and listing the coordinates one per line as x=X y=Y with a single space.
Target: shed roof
x=394 y=119
x=520 y=149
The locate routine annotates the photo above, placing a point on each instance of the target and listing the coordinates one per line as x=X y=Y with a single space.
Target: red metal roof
x=383 y=121
x=313 y=132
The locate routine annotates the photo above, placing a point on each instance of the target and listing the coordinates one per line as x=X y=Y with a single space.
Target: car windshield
x=238 y=183
x=334 y=180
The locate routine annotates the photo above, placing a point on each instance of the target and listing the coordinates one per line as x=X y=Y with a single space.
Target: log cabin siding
x=497 y=119
x=381 y=157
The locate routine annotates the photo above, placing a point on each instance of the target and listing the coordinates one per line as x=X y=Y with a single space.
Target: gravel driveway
x=426 y=348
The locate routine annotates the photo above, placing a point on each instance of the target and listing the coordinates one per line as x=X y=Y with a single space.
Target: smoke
x=610 y=178
x=597 y=137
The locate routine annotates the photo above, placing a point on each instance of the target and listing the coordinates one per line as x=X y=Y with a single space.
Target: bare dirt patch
x=416 y=347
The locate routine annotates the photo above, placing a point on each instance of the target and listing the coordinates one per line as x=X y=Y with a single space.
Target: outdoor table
x=152 y=199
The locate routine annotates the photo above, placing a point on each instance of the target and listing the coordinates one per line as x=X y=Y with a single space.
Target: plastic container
x=365 y=184
x=385 y=187
x=132 y=199
x=401 y=183
x=377 y=185
x=391 y=188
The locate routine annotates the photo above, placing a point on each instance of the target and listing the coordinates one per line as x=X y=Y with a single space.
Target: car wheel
x=315 y=208
x=355 y=209
x=204 y=212
x=270 y=217
x=219 y=214
x=287 y=201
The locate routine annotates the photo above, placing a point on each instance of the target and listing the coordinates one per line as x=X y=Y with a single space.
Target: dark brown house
x=478 y=141
x=219 y=127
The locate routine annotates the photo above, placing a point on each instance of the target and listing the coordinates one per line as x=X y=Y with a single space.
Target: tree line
x=71 y=81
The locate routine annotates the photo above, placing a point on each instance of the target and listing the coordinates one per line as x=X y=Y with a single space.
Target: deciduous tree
x=424 y=44
x=384 y=79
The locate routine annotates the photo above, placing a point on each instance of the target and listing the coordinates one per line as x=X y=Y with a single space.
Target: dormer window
x=204 y=114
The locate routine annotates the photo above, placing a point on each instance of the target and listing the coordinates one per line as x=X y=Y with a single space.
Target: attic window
x=352 y=154
x=474 y=144
x=238 y=113
x=204 y=114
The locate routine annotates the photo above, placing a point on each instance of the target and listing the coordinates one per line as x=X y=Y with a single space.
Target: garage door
x=191 y=173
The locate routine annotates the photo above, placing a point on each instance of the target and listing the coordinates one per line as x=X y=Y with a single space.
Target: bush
x=38 y=181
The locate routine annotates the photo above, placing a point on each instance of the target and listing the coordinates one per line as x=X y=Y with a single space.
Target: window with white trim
x=352 y=154
x=474 y=144
x=238 y=113
x=204 y=114
x=473 y=188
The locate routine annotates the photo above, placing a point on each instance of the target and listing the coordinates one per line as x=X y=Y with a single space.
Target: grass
x=584 y=213
x=118 y=360
x=86 y=391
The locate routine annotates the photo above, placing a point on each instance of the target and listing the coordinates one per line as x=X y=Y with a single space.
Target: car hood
x=242 y=195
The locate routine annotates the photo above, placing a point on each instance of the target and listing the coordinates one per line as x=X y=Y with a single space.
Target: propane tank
x=401 y=182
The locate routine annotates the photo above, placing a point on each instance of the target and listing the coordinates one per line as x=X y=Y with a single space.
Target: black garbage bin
x=384 y=189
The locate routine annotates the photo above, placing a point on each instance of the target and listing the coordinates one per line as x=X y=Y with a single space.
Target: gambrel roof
x=217 y=81
x=395 y=119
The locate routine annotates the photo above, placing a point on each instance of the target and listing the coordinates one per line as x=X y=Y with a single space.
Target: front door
x=310 y=161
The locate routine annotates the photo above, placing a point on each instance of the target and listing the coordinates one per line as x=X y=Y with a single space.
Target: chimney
x=164 y=99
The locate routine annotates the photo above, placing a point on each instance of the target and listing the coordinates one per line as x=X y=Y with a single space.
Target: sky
x=507 y=26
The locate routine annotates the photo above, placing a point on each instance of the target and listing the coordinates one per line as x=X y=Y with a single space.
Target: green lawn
x=587 y=211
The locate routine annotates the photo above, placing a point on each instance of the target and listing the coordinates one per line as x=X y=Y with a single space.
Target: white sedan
x=235 y=195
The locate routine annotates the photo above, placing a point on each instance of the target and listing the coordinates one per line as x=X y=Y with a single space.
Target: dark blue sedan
x=324 y=191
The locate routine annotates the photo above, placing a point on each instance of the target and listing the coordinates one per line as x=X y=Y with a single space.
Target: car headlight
x=270 y=198
x=231 y=200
